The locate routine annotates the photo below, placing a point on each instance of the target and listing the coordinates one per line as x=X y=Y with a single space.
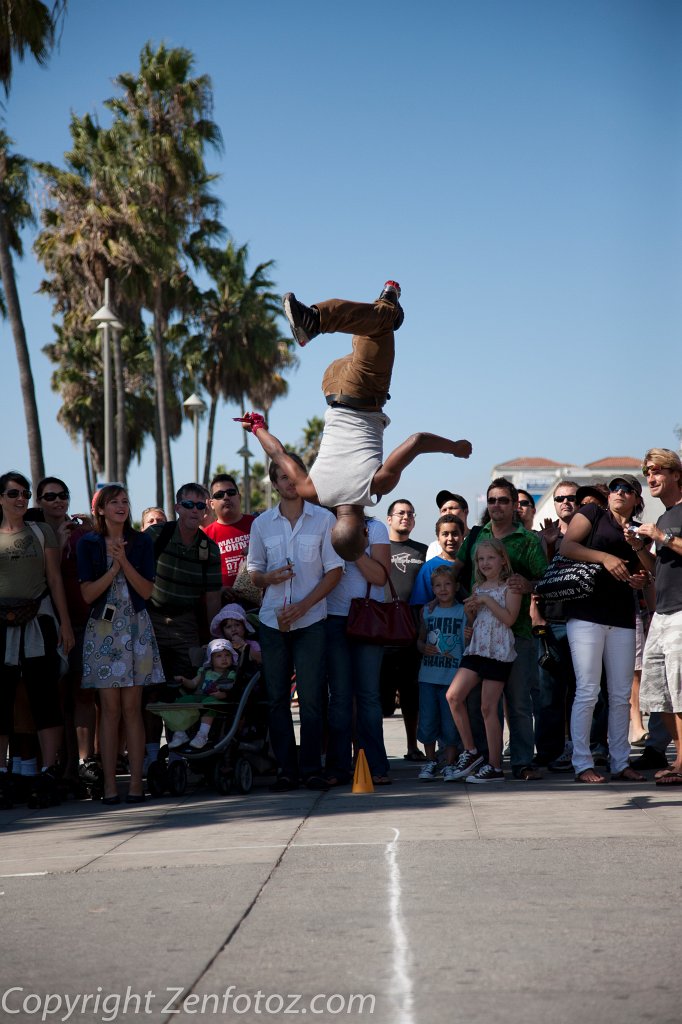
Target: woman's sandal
x=580 y=777
x=671 y=778
x=628 y=775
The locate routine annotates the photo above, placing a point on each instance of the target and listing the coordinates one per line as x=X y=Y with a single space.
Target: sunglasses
x=54 y=496
x=15 y=493
x=499 y=501
x=186 y=503
x=229 y=492
x=571 y=498
x=523 y=503
x=622 y=488
x=653 y=469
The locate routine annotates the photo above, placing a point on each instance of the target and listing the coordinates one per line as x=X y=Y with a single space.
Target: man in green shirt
x=529 y=563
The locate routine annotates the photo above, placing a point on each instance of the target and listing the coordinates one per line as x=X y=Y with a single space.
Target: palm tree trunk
x=121 y=426
x=158 y=461
x=28 y=393
x=209 y=439
x=160 y=325
x=89 y=482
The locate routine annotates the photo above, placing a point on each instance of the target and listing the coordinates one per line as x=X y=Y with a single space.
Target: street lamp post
x=196 y=408
x=246 y=454
x=105 y=318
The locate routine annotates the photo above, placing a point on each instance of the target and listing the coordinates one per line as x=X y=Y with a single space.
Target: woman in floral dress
x=120 y=654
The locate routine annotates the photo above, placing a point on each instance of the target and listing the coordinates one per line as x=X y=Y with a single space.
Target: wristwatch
x=668 y=535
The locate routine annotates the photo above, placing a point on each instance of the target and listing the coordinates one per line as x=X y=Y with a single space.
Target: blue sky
x=516 y=165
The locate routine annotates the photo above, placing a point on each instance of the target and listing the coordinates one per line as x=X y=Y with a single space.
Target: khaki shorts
x=661 y=686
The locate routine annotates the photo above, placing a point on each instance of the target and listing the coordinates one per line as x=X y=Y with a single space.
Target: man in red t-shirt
x=231 y=529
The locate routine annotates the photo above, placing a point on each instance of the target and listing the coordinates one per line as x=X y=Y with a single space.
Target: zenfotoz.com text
x=109 y=1007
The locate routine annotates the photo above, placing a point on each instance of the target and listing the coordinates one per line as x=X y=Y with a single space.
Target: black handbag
x=567 y=580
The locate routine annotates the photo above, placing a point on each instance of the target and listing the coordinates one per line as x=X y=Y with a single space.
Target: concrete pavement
x=519 y=902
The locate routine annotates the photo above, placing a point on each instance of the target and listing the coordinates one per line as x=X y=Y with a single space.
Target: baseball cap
x=631 y=481
x=444 y=496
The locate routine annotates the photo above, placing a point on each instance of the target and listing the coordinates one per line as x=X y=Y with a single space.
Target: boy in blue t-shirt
x=441 y=643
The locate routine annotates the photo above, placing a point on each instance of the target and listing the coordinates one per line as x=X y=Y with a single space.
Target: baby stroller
x=238 y=737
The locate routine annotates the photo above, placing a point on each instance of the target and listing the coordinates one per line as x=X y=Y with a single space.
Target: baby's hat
x=230 y=611
x=219 y=645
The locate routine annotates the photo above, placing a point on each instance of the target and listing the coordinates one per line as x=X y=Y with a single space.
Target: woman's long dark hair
x=103 y=498
x=13 y=474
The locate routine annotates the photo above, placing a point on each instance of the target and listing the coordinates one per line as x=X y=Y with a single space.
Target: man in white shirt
x=291 y=557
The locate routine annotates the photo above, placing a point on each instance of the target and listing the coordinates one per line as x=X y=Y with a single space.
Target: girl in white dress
x=492 y=610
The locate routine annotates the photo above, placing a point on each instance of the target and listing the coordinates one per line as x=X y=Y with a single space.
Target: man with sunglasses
x=556 y=678
x=186 y=594
x=661 y=686
x=529 y=563
x=232 y=527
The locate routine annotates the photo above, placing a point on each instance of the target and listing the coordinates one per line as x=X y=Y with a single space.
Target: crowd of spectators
x=99 y=619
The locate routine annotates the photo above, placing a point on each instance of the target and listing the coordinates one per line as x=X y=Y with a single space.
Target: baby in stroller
x=231 y=623
x=213 y=681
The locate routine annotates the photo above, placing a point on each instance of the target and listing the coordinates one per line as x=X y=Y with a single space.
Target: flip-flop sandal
x=671 y=779
x=662 y=773
x=382 y=780
x=580 y=777
x=414 y=755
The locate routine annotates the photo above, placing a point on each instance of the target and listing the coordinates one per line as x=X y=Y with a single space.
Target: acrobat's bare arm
x=276 y=452
x=386 y=478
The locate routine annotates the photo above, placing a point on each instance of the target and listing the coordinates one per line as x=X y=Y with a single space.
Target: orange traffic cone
x=362 y=780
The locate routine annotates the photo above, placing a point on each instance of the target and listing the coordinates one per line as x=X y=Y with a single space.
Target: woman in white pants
x=601 y=628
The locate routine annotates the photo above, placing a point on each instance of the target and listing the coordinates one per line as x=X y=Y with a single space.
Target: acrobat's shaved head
x=349 y=533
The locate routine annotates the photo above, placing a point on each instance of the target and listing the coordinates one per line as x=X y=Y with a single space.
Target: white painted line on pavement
x=402 y=989
x=25 y=874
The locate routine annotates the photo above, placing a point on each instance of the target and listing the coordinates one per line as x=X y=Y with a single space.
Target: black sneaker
x=466 y=764
x=303 y=320
x=391 y=293
x=651 y=758
x=486 y=773
x=90 y=771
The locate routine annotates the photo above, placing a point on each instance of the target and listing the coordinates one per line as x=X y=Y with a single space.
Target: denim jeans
x=555 y=698
x=590 y=643
x=353 y=674
x=301 y=650
x=521 y=683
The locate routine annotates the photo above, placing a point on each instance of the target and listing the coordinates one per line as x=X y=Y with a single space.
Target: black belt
x=350 y=402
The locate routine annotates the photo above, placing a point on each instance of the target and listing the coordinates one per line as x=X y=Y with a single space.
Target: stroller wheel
x=243 y=775
x=157 y=778
x=177 y=778
x=222 y=779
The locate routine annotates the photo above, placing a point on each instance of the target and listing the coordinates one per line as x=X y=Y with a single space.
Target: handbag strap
x=389 y=581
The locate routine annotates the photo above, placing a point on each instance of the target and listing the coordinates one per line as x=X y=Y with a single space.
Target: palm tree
x=15 y=214
x=26 y=25
x=239 y=347
x=162 y=128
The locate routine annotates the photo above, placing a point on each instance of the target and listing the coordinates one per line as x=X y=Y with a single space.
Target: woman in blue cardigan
x=120 y=654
